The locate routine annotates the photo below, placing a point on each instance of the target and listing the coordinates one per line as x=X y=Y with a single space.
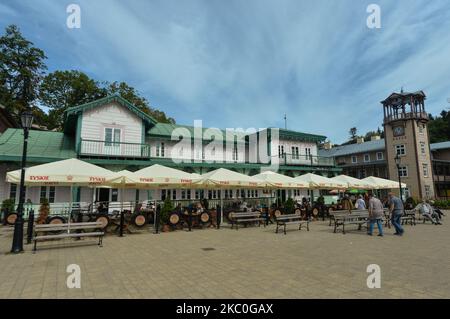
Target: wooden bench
x=356 y=217
x=291 y=219
x=339 y=213
x=60 y=231
x=246 y=218
x=409 y=216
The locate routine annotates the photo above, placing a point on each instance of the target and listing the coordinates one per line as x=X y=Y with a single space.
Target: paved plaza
x=248 y=263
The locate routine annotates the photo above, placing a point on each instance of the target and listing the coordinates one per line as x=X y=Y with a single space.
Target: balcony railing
x=406 y=116
x=116 y=149
x=305 y=160
x=142 y=151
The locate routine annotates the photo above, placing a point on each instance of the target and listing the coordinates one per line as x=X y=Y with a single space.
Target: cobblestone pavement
x=249 y=263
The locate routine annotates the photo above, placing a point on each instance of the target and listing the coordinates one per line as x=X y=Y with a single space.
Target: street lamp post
x=397 y=162
x=17 y=245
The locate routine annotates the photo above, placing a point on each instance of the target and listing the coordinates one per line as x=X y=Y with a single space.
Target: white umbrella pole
x=70 y=208
x=221 y=207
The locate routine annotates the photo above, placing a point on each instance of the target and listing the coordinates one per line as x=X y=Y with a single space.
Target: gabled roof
x=71 y=112
x=370 y=146
x=43 y=146
x=440 y=146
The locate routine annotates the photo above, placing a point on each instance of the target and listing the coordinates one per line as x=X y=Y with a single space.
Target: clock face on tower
x=399 y=130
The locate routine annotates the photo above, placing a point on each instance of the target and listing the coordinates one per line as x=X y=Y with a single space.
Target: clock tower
x=406 y=134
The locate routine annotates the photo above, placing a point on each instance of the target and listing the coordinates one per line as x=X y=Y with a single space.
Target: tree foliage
x=24 y=85
x=439 y=127
x=21 y=69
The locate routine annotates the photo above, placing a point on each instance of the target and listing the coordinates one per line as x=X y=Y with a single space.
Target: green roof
x=299 y=136
x=165 y=130
x=71 y=112
x=43 y=146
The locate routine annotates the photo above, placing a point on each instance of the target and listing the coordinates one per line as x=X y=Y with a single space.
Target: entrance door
x=103 y=194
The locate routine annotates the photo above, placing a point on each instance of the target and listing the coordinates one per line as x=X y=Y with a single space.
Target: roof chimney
x=360 y=140
x=375 y=138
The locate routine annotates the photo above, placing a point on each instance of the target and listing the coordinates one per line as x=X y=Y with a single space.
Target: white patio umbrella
x=320 y=182
x=276 y=180
x=352 y=182
x=159 y=176
x=223 y=178
x=70 y=172
x=381 y=183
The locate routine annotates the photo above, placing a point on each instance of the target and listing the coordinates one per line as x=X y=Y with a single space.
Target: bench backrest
x=62 y=226
x=288 y=217
x=247 y=214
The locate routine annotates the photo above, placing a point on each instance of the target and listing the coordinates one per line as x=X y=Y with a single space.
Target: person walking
x=360 y=203
x=376 y=213
x=396 y=209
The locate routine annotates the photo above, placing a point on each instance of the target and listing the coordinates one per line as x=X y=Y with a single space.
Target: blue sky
x=246 y=63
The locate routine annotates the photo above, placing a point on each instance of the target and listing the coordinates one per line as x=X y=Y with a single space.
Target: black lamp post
x=17 y=245
x=397 y=162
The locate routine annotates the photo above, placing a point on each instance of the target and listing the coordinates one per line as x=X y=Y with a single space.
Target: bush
x=166 y=209
x=289 y=206
x=8 y=205
x=443 y=204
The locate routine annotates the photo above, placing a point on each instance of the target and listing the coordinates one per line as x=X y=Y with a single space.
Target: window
x=47 y=193
x=197 y=194
x=295 y=152
x=354 y=159
x=422 y=148
x=425 y=170
x=112 y=136
x=403 y=171
x=51 y=194
x=421 y=127
x=188 y=193
x=366 y=157
x=362 y=173
x=380 y=156
x=400 y=149
x=183 y=194
x=13 y=192
x=42 y=194
x=114 y=195
x=427 y=191
x=280 y=151
x=406 y=192
x=235 y=152
x=174 y=194
x=160 y=149
x=308 y=152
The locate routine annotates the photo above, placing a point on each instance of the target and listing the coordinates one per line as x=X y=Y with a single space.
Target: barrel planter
x=55 y=220
x=11 y=218
x=138 y=220
x=104 y=219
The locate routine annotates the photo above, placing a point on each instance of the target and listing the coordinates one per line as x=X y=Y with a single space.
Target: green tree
x=130 y=94
x=439 y=127
x=62 y=89
x=21 y=69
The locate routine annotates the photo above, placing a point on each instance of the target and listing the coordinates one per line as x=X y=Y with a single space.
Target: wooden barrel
x=205 y=217
x=174 y=218
x=55 y=220
x=104 y=219
x=277 y=212
x=230 y=215
x=315 y=211
x=11 y=218
x=138 y=220
x=298 y=211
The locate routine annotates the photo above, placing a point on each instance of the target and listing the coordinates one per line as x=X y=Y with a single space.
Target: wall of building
x=112 y=115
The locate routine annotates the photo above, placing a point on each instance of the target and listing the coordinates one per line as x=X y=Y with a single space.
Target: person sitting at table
x=427 y=212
